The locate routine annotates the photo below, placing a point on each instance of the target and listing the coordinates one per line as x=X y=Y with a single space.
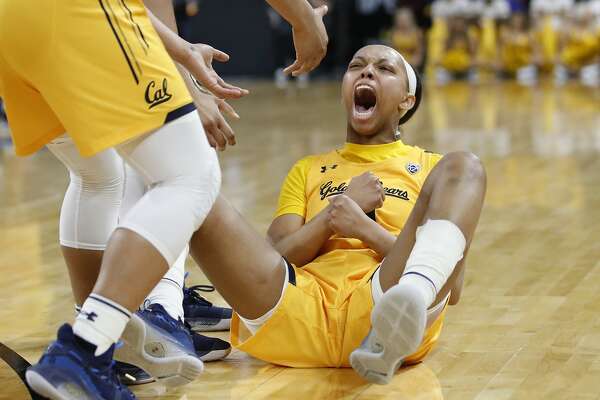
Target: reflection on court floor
x=527 y=326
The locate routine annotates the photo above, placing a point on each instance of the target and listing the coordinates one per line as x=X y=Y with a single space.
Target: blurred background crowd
x=474 y=40
x=445 y=39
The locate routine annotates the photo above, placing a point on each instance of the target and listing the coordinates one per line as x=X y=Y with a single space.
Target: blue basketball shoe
x=209 y=348
x=201 y=314
x=131 y=375
x=161 y=346
x=68 y=370
x=206 y=348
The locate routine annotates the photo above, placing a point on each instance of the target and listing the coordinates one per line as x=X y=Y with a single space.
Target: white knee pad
x=134 y=189
x=91 y=205
x=182 y=174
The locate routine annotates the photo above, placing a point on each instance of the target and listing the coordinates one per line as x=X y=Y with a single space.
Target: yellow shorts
x=94 y=69
x=304 y=332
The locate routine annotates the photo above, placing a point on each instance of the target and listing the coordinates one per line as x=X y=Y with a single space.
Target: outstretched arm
x=310 y=36
x=196 y=58
x=210 y=109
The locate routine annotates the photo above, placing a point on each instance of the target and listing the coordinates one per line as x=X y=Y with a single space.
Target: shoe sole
x=381 y=353
x=173 y=371
x=41 y=386
x=205 y=325
x=215 y=355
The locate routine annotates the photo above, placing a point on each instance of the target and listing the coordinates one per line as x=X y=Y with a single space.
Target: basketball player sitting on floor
x=367 y=247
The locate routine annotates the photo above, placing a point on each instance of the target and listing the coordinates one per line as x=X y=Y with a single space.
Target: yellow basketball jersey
x=95 y=70
x=325 y=314
x=436 y=38
x=517 y=52
x=343 y=263
x=580 y=48
x=406 y=44
x=312 y=180
x=488 y=38
x=401 y=168
x=547 y=37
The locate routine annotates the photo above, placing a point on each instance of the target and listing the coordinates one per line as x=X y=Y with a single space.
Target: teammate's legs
x=163 y=307
x=89 y=212
x=183 y=176
x=81 y=97
x=421 y=268
x=169 y=291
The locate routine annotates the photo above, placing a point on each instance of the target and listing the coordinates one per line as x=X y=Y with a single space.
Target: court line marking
x=19 y=365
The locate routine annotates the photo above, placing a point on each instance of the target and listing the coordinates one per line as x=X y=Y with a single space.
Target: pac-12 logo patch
x=412 y=167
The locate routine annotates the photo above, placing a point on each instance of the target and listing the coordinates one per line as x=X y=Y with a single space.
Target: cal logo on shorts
x=156 y=95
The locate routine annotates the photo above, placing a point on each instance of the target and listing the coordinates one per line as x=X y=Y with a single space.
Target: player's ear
x=406 y=104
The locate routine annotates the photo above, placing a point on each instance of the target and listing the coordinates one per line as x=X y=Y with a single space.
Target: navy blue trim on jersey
x=373 y=274
x=116 y=19
x=291 y=272
x=136 y=28
x=371 y=214
x=135 y=77
x=180 y=112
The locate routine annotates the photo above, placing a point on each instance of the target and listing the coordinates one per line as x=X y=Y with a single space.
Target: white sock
x=169 y=291
x=439 y=246
x=101 y=322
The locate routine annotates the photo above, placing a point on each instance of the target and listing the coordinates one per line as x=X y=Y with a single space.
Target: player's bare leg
x=238 y=261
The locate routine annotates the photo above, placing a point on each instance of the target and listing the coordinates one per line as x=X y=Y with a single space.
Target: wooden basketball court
x=528 y=325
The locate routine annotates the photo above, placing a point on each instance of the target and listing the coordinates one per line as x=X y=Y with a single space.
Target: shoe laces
x=192 y=293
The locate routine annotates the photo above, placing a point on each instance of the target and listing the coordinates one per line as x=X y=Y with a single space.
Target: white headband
x=412 y=77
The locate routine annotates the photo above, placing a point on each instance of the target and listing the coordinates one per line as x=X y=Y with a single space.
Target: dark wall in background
x=239 y=28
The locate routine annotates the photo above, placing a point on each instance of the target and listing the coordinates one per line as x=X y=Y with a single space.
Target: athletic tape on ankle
x=439 y=246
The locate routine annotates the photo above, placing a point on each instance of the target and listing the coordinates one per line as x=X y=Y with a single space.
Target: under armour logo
x=324 y=168
x=90 y=316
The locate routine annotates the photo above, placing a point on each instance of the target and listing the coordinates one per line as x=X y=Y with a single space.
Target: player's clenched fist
x=367 y=191
x=346 y=218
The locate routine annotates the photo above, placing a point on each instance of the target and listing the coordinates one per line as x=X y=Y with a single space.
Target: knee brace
x=90 y=209
x=182 y=174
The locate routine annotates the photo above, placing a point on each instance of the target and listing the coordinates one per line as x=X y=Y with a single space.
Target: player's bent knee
x=91 y=204
x=106 y=182
x=463 y=165
x=198 y=188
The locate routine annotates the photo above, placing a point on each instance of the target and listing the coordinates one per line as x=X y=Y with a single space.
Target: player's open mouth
x=365 y=102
